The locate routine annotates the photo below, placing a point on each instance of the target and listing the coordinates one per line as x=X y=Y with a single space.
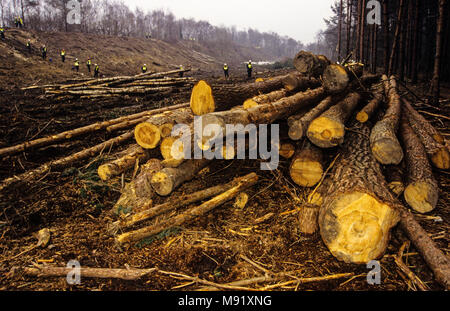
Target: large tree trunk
x=358 y=210
x=298 y=124
x=309 y=64
x=434 y=143
x=40 y=142
x=383 y=139
x=434 y=89
x=306 y=168
x=422 y=191
x=207 y=98
x=241 y=184
x=328 y=130
x=336 y=78
x=122 y=164
x=148 y=134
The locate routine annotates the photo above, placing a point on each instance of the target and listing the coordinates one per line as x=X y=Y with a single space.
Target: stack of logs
x=141 y=84
x=351 y=139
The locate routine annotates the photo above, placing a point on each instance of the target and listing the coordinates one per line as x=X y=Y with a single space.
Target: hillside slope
x=115 y=56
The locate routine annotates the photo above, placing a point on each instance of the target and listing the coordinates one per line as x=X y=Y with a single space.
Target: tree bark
x=394 y=177
x=383 y=140
x=242 y=183
x=422 y=191
x=309 y=64
x=336 y=78
x=366 y=113
x=358 y=210
x=328 y=129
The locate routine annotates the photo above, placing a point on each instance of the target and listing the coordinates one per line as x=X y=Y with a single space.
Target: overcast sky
x=298 y=19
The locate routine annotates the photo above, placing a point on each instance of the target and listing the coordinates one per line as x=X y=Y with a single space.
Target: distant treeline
x=110 y=17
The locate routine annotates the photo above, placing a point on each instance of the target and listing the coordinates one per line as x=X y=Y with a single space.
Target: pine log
x=82 y=130
x=165 y=181
x=298 y=82
x=131 y=155
x=422 y=191
x=265 y=98
x=242 y=184
x=309 y=211
x=358 y=210
x=172 y=204
x=138 y=193
x=306 y=168
x=299 y=123
x=206 y=98
x=148 y=134
x=309 y=64
x=287 y=150
x=438 y=262
x=328 y=129
x=39 y=172
x=366 y=113
x=434 y=143
x=383 y=140
x=336 y=78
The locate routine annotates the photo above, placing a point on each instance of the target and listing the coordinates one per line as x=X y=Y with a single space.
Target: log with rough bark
x=383 y=137
x=34 y=174
x=242 y=184
x=172 y=204
x=298 y=82
x=299 y=123
x=262 y=114
x=366 y=113
x=422 y=191
x=328 y=129
x=40 y=142
x=125 y=162
x=310 y=64
x=206 y=98
x=358 y=211
x=265 y=98
x=138 y=193
x=434 y=143
x=306 y=168
x=165 y=181
x=148 y=134
x=438 y=262
x=309 y=211
x=336 y=78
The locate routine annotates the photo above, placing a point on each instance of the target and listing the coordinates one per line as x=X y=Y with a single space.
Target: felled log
x=207 y=98
x=148 y=134
x=309 y=211
x=366 y=113
x=383 y=140
x=310 y=64
x=306 y=168
x=336 y=78
x=434 y=143
x=138 y=193
x=299 y=123
x=34 y=174
x=286 y=150
x=241 y=184
x=358 y=210
x=265 y=98
x=262 y=114
x=121 y=91
x=438 y=262
x=394 y=177
x=298 y=82
x=422 y=191
x=328 y=129
x=172 y=204
x=165 y=181
x=131 y=155
x=40 y=142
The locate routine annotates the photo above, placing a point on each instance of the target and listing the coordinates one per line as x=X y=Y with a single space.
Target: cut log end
x=441 y=159
x=162 y=183
x=397 y=187
x=166 y=129
x=357 y=227
x=325 y=132
x=104 y=172
x=202 y=100
x=362 y=117
x=335 y=78
x=387 y=151
x=287 y=150
x=306 y=173
x=296 y=131
x=147 y=135
x=249 y=103
x=422 y=196
x=171 y=148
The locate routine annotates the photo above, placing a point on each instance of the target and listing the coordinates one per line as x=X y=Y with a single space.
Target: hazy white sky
x=299 y=19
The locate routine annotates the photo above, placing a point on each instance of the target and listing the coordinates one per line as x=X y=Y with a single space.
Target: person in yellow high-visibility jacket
x=249 y=69
x=144 y=68
x=96 y=70
x=88 y=64
x=77 y=65
x=63 y=55
x=225 y=70
x=2 y=33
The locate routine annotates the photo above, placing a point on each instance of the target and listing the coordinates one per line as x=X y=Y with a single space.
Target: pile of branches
x=362 y=149
x=141 y=84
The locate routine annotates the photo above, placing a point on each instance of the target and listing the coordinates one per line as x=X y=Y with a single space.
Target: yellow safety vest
x=249 y=66
x=63 y=53
x=144 y=68
x=225 y=67
x=77 y=64
x=97 y=68
x=89 y=62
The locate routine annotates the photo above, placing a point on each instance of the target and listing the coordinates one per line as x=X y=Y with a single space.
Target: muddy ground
x=76 y=207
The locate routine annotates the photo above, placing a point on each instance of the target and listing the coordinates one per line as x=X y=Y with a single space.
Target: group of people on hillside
x=248 y=66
